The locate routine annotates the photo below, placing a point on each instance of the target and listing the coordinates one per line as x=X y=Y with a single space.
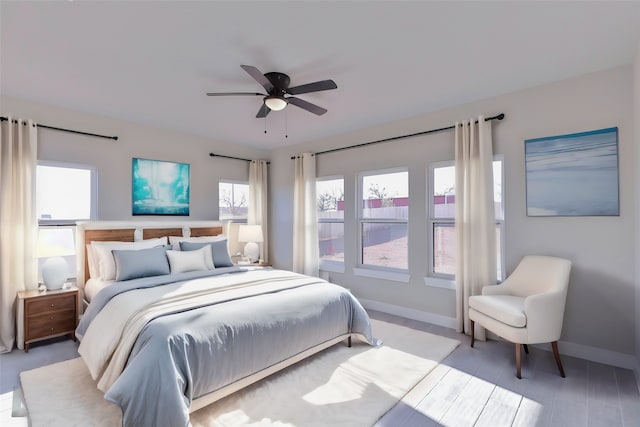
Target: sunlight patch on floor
x=460 y=399
x=6 y=410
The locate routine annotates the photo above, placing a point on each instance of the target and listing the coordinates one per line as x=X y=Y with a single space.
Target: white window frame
x=324 y=264
x=233 y=182
x=447 y=281
x=93 y=209
x=376 y=271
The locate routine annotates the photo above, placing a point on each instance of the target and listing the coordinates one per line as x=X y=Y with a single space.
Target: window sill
x=436 y=282
x=332 y=266
x=382 y=274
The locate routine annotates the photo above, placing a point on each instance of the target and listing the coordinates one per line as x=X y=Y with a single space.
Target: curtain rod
x=231 y=157
x=115 y=138
x=498 y=117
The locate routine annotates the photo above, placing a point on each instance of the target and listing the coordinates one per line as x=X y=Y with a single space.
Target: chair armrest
x=495 y=290
x=545 y=315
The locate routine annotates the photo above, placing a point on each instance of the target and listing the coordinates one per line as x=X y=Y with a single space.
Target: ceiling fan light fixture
x=275 y=103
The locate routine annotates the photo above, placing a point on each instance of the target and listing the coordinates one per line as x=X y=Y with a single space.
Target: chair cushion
x=504 y=308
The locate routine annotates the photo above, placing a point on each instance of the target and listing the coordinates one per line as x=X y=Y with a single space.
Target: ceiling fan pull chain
x=265 y=125
x=286 y=124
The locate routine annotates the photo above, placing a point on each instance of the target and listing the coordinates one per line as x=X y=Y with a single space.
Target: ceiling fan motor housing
x=280 y=82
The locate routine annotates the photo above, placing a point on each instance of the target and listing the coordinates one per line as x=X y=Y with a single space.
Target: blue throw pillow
x=219 y=251
x=133 y=264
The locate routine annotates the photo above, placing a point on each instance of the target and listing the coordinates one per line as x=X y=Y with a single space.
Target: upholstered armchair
x=528 y=307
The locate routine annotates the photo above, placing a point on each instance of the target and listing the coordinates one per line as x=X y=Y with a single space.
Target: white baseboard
x=593 y=354
x=410 y=313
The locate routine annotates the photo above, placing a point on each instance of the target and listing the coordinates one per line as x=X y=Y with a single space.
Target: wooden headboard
x=152 y=233
x=90 y=231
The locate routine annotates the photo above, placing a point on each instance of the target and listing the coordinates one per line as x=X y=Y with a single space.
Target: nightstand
x=48 y=314
x=253 y=265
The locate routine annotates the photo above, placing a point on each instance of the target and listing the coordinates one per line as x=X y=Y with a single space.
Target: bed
x=162 y=346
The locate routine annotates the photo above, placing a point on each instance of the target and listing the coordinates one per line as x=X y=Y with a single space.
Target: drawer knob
x=51 y=329
x=51 y=318
x=52 y=305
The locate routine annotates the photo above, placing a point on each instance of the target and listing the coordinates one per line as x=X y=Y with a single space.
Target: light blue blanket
x=186 y=355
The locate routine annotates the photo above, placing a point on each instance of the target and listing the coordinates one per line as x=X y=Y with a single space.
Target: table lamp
x=252 y=234
x=53 y=244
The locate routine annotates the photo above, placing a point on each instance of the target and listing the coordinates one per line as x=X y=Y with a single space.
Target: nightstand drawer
x=47 y=304
x=50 y=324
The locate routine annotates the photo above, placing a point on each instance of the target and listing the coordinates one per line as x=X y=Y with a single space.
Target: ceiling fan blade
x=234 y=94
x=313 y=108
x=263 y=111
x=258 y=76
x=313 y=87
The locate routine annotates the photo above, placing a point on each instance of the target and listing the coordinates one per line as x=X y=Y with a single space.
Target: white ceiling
x=152 y=62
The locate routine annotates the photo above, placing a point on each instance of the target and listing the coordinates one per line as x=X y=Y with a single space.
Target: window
x=65 y=193
x=383 y=219
x=442 y=218
x=330 y=201
x=233 y=201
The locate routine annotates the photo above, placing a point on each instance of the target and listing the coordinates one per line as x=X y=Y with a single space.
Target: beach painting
x=573 y=175
x=159 y=187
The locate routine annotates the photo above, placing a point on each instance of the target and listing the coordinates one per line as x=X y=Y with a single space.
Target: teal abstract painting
x=159 y=187
x=573 y=175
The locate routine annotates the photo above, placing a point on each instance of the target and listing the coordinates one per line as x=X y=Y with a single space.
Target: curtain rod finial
x=500 y=116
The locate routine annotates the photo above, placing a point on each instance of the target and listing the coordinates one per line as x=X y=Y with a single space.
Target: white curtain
x=258 y=202
x=18 y=224
x=475 y=216
x=305 y=223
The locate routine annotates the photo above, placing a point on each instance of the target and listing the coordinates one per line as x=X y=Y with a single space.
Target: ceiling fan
x=277 y=87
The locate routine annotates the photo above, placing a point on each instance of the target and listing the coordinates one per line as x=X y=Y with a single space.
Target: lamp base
x=252 y=251
x=54 y=272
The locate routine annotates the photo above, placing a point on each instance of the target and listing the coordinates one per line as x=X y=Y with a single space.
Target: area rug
x=339 y=387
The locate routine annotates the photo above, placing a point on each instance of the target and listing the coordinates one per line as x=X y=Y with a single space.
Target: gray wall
x=113 y=158
x=636 y=116
x=601 y=302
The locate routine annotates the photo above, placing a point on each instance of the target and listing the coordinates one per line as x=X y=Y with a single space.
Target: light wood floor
x=470 y=387
x=478 y=387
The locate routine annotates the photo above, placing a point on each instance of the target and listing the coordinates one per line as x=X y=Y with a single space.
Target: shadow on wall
x=600 y=311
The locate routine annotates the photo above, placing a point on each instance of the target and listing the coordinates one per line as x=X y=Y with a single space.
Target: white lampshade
x=275 y=103
x=252 y=234
x=53 y=244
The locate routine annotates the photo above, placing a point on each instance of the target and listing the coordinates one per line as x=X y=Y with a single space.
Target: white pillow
x=208 y=256
x=107 y=265
x=183 y=261
x=92 y=262
x=174 y=241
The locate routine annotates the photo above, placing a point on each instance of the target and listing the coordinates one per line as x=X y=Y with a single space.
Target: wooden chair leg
x=473 y=329
x=526 y=348
x=554 y=345
x=518 y=362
